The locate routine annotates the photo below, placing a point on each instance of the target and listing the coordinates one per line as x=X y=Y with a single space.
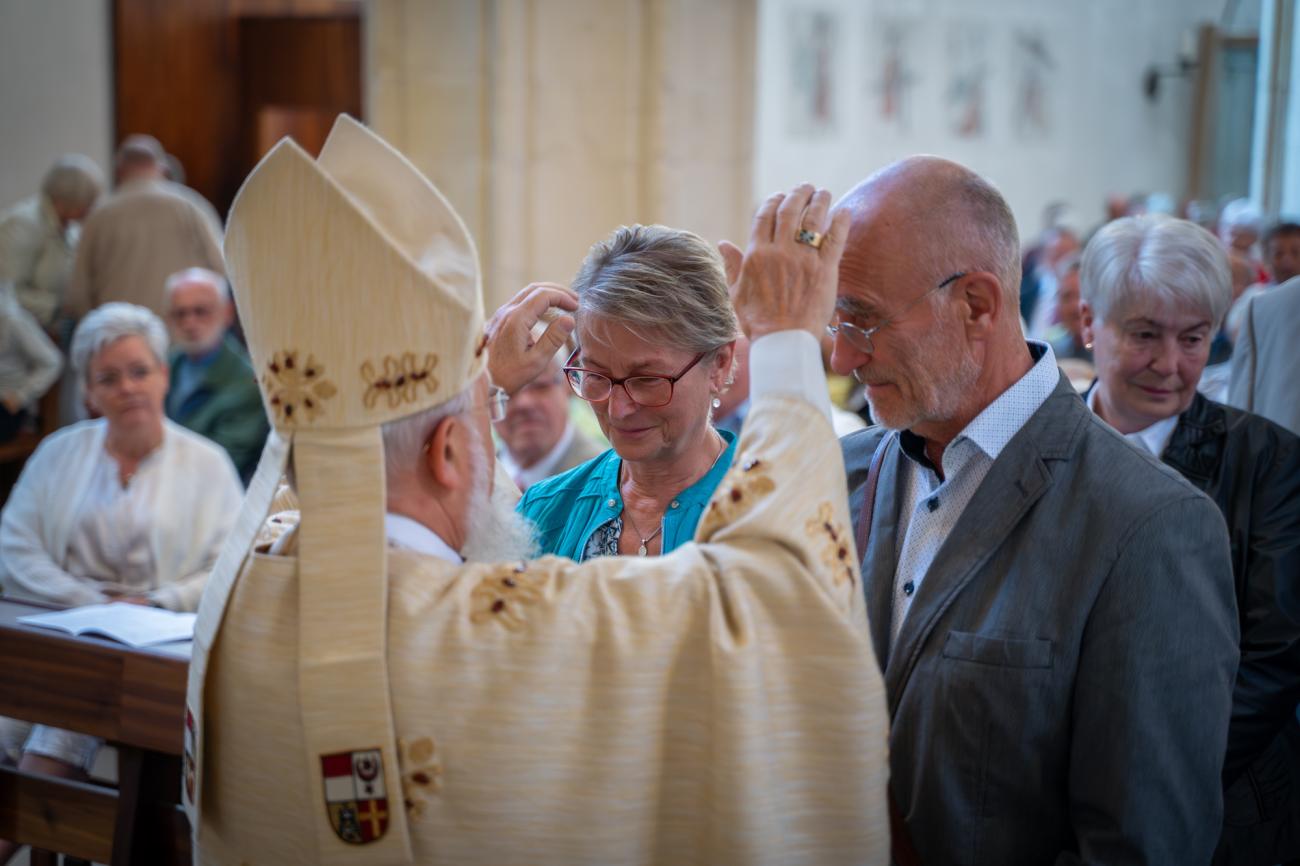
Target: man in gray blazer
x=1266 y=359
x=1053 y=609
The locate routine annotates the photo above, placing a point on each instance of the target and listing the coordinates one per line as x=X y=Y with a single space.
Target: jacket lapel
x=879 y=559
x=1017 y=479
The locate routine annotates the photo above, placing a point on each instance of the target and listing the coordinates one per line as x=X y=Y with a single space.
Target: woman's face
x=1148 y=362
x=640 y=434
x=126 y=384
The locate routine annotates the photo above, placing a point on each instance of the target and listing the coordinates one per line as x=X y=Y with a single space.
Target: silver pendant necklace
x=645 y=539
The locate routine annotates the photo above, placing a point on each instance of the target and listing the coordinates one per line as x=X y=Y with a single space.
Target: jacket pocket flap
x=1002 y=652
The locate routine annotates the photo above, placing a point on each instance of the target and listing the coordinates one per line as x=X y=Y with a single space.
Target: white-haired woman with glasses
x=1155 y=290
x=656 y=341
x=128 y=507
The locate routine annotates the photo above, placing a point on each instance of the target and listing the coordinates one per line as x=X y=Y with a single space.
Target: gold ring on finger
x=812 y=239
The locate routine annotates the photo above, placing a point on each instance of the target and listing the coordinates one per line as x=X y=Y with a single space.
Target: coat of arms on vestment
x=355 y=796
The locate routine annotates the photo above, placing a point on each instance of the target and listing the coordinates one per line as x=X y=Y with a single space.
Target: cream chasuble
x=353 y=704
x=717 y=705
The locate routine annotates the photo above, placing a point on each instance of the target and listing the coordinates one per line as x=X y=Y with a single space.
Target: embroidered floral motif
x=400 y=380
x=739 y=491
x=298 y=391
x=836 y=554
x=421 y=773
x=503 y=596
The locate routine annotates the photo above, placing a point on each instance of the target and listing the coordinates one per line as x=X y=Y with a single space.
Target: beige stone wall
x=550 y=123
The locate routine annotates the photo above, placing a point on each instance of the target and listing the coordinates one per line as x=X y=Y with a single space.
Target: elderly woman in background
x=129 y=507
x=656 y=338
x=1155 y=291
x=37 y=235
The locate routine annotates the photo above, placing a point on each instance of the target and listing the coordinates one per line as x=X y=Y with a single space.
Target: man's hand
x=514 y=357
x=779 y=283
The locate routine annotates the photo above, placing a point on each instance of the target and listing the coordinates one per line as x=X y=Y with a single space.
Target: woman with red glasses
x=656 y=342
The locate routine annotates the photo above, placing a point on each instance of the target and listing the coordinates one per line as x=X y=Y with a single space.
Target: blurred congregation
x=1062 y=363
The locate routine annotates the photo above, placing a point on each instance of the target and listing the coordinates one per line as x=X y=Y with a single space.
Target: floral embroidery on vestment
x=504 y=595
x=421 y=773
x=297 y=391
x=742 y=487
x=400 y=380
x=836 y=553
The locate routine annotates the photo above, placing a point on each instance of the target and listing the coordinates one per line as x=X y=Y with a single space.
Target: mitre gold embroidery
x=400 y=381
x=297 y=390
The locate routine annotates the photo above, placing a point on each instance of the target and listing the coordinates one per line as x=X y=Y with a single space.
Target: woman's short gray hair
x=110 y=323
x=74 y=180
x=1135 y=260
x=656 y=279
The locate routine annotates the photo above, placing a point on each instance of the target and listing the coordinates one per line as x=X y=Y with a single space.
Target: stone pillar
x=550 y=124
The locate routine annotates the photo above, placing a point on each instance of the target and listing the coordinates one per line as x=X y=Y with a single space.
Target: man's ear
x=230 y=313
x=982 y=294
x=446 y=454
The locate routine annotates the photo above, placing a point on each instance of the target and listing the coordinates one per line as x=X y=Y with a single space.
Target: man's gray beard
x=495 y=531
x=196 y=349
x=942 y=390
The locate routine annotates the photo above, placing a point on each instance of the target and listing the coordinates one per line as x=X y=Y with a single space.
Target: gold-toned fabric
x=717 y=705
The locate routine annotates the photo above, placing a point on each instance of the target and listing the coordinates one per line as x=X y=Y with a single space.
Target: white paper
x=132 y=624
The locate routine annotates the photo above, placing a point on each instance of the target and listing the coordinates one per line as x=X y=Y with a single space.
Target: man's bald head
x=929 y=228
x=940 y=215
x=139 y=156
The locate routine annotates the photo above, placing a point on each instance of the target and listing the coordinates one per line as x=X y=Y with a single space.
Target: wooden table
x=134 y=699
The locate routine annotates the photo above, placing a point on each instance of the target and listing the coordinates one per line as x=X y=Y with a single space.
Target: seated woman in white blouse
x=128 y=507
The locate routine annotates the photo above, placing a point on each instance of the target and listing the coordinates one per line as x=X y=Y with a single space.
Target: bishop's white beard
x=495 y=531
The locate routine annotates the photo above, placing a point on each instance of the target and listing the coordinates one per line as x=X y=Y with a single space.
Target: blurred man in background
x=213 y=390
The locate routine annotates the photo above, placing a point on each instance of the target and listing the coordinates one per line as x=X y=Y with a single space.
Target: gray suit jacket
x=1061 y=688
x=1266 y=359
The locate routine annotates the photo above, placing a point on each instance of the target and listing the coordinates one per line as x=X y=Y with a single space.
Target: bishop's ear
x=447 y=456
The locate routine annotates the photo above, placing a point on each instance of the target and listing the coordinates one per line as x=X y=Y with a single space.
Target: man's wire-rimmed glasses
x=860 y=338
x=647 y=391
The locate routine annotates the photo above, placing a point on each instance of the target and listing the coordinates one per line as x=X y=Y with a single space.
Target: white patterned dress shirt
x=930 y=507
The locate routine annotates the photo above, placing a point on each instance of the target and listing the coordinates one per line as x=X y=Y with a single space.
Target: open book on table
x=131 y=624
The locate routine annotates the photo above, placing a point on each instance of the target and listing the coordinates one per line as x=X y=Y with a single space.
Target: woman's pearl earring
x=717 y=403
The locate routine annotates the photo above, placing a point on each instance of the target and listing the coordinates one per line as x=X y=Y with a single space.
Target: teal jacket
x=568 y=508
x=226 y=407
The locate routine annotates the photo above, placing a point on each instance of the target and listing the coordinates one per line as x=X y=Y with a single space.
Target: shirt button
x=609 y=503
x=909 y=588
x=675 y=503
x=933 y=504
